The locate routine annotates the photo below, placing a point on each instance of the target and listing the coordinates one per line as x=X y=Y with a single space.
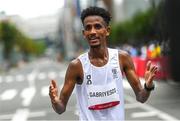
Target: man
x=97 y=74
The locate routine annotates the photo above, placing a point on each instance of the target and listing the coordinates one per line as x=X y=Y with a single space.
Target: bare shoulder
x=75 y=70
x=125 y=59
x=123 y=55
x=75 y=63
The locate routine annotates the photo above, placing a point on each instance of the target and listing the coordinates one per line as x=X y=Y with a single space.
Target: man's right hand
x=53 y=92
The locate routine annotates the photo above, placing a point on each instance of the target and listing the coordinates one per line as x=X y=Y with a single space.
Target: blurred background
x=39 y=38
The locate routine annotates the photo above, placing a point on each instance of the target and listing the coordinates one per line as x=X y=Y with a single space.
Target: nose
x=93 y=30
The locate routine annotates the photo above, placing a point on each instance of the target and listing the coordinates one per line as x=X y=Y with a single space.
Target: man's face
x=95 y=30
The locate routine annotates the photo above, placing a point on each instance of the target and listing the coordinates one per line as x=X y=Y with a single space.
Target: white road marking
x=19 y=78
x=131 y=105
x=52 y=75
x=21 y=115
x=45 y=91
x=8 y=94
x=149 y=108
x=42 y=76
x=31 y=77
x=5 y=117
x=9 y=79
x=27 y=94
x=37 y=114
x=143 y=114
x=16 y=115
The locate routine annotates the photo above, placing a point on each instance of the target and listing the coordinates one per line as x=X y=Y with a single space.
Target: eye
x=87 y=27
x=98 y=26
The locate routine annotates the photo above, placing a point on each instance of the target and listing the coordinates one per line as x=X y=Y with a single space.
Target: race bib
x=102 y=96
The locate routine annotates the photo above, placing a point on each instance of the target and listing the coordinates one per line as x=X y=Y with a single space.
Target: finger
x=53 y=90
x=151 y=78
x=148 y=65
x=152 y=68
x=52 y=93
x=155 y=69
x=52 y=96
x=53 y=82
x=51 y=87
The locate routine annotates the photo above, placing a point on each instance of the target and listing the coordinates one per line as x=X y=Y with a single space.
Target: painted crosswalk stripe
x=143 y=114
x=42 y=76
x=32 y=75
x=45 y=91
x=20 y=78
x=21 y=115
x=37 y=114
x=149 y=108
x=131 y=105
x=8 y=94
x=52 y=75
x=9 y=79
x=15 y=117
x=27 y=94
x=6 y=117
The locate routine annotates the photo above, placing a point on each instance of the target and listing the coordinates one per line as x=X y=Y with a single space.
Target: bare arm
x=129 y=70
x=59 y=102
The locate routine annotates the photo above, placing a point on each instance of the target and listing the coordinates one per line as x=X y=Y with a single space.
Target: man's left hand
x=150 y=73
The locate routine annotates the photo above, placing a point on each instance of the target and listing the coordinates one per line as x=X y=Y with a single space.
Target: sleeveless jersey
x=100 y=96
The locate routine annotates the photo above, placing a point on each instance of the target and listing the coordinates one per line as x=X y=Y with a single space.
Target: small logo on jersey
x=89 y=82
x=114 y=71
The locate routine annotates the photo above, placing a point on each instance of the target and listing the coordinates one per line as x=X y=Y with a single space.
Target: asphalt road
x=24 y=96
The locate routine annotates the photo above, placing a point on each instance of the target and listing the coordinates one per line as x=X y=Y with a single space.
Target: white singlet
x=100 y=96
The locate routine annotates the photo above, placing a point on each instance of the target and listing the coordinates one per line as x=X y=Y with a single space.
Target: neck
x=98 y=52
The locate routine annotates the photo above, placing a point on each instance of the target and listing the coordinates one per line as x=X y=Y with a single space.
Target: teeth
x=92 y=38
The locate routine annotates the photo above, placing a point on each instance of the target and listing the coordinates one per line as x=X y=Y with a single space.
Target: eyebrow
x=96 y=23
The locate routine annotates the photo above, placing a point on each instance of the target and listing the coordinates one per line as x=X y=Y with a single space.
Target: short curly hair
x=96 y=11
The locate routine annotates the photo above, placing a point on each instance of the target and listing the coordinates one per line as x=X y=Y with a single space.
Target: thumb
x=54 y=84
x=148 y=65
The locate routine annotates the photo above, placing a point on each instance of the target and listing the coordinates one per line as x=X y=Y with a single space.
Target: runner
x=97 y=74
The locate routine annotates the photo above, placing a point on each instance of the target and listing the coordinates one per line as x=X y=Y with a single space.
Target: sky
x=30 y=8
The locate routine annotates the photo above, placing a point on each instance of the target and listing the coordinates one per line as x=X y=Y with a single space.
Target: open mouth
x=94 y=39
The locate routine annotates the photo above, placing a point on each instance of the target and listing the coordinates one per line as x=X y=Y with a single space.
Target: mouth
x=94 y=39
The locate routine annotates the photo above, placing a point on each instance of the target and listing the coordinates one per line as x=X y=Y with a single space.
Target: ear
x=83 y=32
x=108 y=31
